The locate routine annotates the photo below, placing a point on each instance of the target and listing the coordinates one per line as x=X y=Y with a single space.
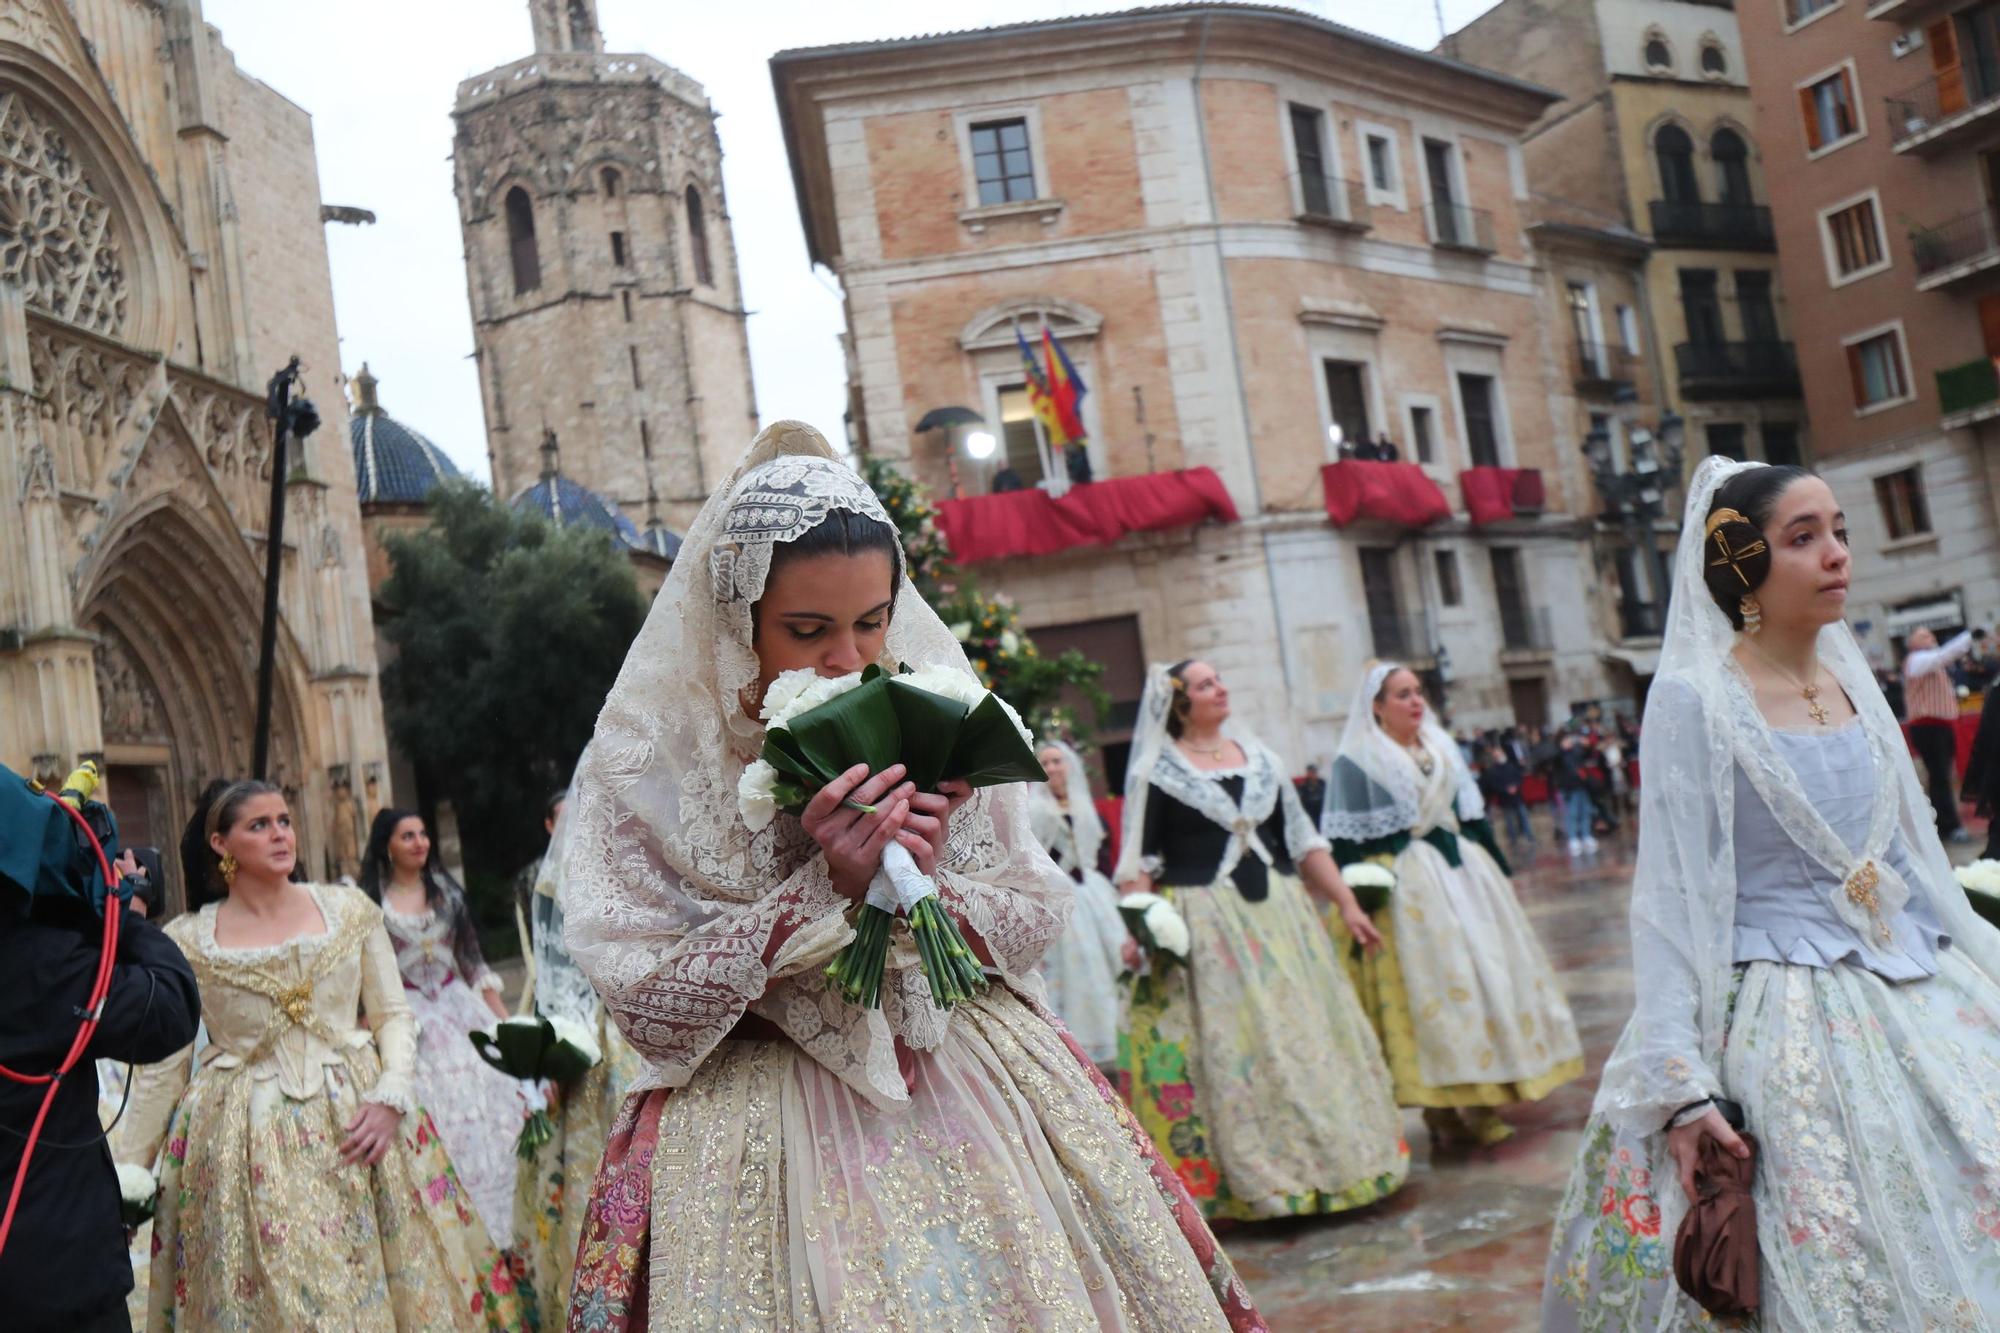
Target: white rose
x=961 y=630
x=801 y=695
x=1367 y=875
x=949 y=682
x=784 y=691
x=1138 y=902
x=1010 y=642
x=755 y=795
x=1168 y=929
x=1027 y=737
x=577 y=1035
x=136 y=1185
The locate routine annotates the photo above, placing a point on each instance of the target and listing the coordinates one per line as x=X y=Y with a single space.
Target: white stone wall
x=1624 y=24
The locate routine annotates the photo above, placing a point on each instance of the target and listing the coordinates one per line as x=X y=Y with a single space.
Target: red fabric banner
x=1398 y=493
x=1097 y=513
x=1489 y=493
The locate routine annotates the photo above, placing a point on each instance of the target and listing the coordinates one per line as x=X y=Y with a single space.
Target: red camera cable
x=100 y=987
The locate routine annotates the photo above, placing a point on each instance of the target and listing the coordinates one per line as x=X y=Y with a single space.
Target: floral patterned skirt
x=1877 y=1111
x=262 y=1226
x=1011 y=1192
x=553 y=1195
x=1253 y=1067
x=477 y=1109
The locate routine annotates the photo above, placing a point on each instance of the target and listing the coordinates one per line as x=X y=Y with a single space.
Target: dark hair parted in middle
x=841 y=532
x=1736 y=558
x=1178 y=710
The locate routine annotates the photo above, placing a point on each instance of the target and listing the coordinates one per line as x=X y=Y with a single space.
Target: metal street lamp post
x=1638 y=497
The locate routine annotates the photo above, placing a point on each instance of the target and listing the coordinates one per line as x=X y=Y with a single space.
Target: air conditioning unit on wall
x=1905 y=42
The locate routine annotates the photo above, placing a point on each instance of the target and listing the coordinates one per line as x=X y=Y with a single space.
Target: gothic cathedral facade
x=602 y=273
x=161 y=255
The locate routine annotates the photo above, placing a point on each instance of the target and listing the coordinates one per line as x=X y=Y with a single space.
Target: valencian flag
x=1039 y=397
x=1066 y=390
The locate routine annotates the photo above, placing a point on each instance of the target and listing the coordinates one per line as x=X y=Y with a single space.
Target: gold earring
x=227 y=865
x=1752 y=613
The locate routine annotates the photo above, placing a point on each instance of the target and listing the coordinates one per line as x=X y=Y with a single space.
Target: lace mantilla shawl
x=1702 y=728
x=1375 y=788
x=683 y=919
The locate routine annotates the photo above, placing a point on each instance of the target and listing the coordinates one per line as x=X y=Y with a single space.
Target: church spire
x=566 y=25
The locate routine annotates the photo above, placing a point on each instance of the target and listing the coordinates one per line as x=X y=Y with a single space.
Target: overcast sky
x=379 y=77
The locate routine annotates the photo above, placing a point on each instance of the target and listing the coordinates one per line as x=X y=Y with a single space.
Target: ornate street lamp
x=1638 y=497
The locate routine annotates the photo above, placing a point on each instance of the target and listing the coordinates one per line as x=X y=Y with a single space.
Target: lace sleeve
x=1301 y=838
x=389 y=1015
x=1001 y=885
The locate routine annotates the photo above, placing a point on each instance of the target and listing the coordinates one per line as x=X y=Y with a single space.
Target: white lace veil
x=561 y=988
x=1702 y=730
x=1375 y=789
x=681 y=917
x=1149 y=741
x=1085 y=830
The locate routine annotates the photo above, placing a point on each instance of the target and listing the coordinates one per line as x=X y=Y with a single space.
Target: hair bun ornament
x=1736 y=545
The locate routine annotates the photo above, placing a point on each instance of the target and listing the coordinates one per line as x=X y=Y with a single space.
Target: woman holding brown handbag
x=1800 y=952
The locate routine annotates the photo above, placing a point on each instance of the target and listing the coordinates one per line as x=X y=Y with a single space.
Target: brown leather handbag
x=1715 y=1250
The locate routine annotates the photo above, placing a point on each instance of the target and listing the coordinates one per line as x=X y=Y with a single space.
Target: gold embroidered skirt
x=1005 y=1195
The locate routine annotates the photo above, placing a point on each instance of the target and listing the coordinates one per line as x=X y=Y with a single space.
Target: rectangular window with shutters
x=1830 y=110
x=1347 y=399
x=1386 y=626
x=1877 y=368
x=1001 y=162
x=1021 y=455
x=1309 y=150
x=1781 y=444
x=1725 y=439
x=1420 y=435
x=1798 y=11
x=1449 y=591
x=1852 y=232
x=1482 y=431
x=1753 y=305
x=1628 y=328
x=1905 y=510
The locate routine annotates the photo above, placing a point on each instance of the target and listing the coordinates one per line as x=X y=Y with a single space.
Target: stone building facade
x=1246 y=226
x=601 y=269
x=161 y=255
x=1880 y=124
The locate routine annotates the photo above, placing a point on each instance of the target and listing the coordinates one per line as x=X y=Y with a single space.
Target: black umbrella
x=943 y=418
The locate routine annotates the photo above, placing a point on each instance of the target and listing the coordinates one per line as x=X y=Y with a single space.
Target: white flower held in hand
x=755 y=795
x=1168 y=928
x=1368 y=875
x=801 y=691
x=966 y=689
x=136 y=1184
x=1982 y=876
x=573 y=1033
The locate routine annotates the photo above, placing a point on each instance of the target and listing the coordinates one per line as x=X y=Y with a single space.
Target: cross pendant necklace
x=1814 y=708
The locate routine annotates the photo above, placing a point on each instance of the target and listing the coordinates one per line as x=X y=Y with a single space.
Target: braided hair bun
x=1735 y=556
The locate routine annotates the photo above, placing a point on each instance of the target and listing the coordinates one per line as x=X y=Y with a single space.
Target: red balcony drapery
x=1097 y=513
x=1398 y=493
x=1494 y=494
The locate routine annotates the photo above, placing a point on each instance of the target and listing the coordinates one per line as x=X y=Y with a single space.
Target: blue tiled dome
x=392 y=463
x=565 y=503
x=660 y=540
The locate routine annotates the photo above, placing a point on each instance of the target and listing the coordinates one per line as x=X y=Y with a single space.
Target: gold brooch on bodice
x=1861 y=891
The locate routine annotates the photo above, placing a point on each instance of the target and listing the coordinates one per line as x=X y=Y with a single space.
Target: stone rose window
x=58 y=239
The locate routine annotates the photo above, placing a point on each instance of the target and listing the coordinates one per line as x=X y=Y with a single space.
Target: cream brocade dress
x=261 y=1225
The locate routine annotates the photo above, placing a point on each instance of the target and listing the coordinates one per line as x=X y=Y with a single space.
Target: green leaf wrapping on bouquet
x=515 y=1047
x=1986 y=904
x=564 y=1063
x=858 y=727
x=988 y=749
x=1372 y=898
x=930 y=724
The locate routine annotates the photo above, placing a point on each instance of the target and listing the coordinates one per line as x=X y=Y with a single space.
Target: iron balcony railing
x=1602 y=363
x=1950 y=244
x=1942 y=98
x=1723 y=226
x=1456 y=227
x=1721 y=368
x=1332 y=200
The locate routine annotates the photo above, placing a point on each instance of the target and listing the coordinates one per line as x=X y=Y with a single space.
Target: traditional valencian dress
x=791 y=1161
x=1468 y=1010
x=1800 y=948
x=261 y=1225
x=475 y=1107
x=1251 y=1065
x=1081 y=969
x=552 y=1200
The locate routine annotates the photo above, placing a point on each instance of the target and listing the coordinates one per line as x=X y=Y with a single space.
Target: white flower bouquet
x=1159 y=928
x=941 y=725
x=138 y=1194
x=533 y=1047
x=1371 y=883
x=1981 y=882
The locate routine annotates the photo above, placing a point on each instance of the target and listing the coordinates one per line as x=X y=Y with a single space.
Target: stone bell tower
x=601 y=270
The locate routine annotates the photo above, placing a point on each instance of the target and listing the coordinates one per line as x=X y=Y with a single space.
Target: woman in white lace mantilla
x=791 y=1161
x=1081 y=969
x=1468 y=1009
x=1251 y=1064
x=452 y=993
x=1800 y=948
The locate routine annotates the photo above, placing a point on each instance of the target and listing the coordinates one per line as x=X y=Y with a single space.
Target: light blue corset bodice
x=1784 y=907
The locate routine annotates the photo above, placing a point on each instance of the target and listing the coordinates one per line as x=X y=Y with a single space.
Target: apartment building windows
x=1482 y=434
x=1421 y=434
x=1725 y=439
x=1732 y=167
x=1906 y=512
x=1675 y=152
x=1450 y=591
x=1853 y=236
x=1828 y=108
x=1798 y=11
x=1381 y=162
x=1877 y=369
x=1781 y=444
x=1702 y=307
x=1347 y=399
x=1001 y=162
x=1386 y=625
x=1309 y=150
x=1453 y=225
x=1753 y=304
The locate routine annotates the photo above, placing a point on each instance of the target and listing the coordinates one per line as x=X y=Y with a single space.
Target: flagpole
x=1058 y=476
x=1035 y=416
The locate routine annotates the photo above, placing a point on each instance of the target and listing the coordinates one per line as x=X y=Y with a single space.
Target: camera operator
x=66 y=1265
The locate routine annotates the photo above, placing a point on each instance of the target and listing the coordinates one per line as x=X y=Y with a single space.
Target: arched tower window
x=1675 y=151
x=1732 y=164
x=609 y=180
x=521 y=241
x=704 y=270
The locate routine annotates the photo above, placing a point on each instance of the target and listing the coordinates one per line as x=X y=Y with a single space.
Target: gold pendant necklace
x=1814 y=708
